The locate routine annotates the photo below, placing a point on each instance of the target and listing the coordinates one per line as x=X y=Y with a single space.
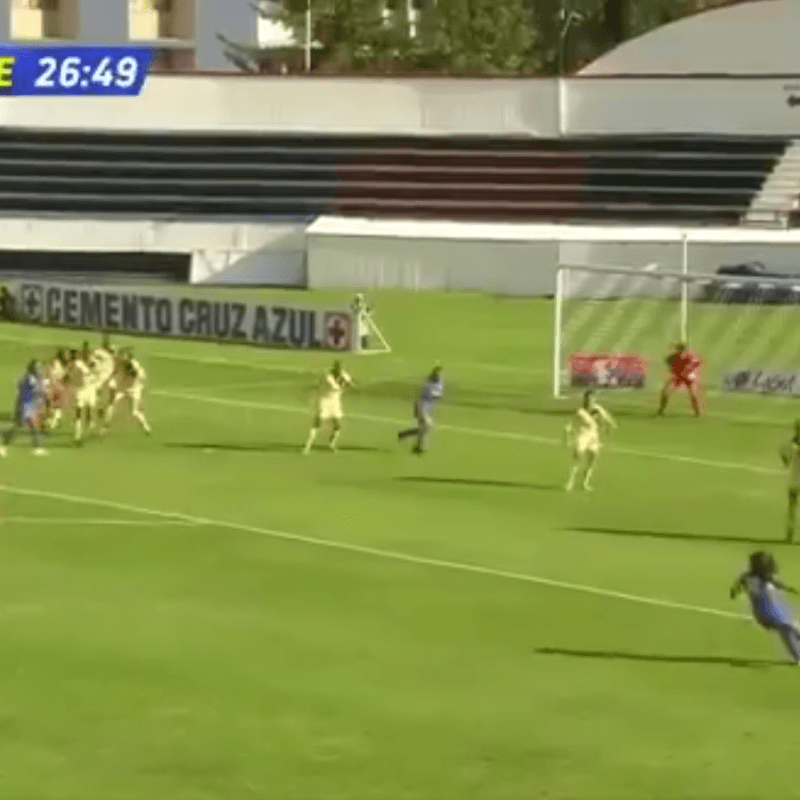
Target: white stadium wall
x=507 y=259
x=531 y=107
x=746 y=106
x=508 y=268
x=520 y=259
x=267 y=254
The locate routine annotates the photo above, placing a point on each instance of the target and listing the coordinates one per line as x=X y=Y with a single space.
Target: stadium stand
x=700 y=180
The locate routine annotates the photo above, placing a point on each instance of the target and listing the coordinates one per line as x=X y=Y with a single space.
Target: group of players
x=759 y=581
x=584 y=436
x=591 y=421
x=94 y=382
x=89 y=382
x=328 y=408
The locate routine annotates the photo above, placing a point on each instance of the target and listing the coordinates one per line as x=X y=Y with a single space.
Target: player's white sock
x=572 y=475
x=78 y=430
x=312 y=434
x=3 y=452
x=140 y=418
x=334 y=439
x=55 y=419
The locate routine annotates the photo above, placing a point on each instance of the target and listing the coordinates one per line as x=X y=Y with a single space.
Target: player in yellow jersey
x=790 y=455
x=329 y=405
x=128 y=383
x=83 y=391
x=104 y=367
x=583 y=433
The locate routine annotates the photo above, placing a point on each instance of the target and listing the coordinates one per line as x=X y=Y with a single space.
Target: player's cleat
x=417 y=450
x=40 y=451
x=587 y=487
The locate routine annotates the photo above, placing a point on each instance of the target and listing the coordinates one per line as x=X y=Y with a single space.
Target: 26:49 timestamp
x=73 y=73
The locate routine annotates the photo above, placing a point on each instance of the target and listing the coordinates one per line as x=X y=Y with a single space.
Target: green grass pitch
x=207 y=615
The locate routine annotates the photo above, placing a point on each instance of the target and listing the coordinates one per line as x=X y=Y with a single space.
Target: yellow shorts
x=329 y=409
x=585 y=445
x=86 y=397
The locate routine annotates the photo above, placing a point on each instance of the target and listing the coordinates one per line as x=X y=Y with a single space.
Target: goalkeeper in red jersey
x=684 y=372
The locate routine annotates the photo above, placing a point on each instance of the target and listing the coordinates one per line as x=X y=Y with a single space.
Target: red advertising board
x=607 y=370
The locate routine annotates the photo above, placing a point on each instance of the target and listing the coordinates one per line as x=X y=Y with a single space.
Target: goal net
x=614 y=327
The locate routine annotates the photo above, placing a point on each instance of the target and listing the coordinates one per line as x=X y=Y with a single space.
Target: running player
x=429 y=395
x=684 y=372
x=766 y=603
x=103 y=370
x=583 y=433
x=29 y=409
x=128 y=383
x=329 y=405
x=790 y=455
x=83 y=390
x=55 y=372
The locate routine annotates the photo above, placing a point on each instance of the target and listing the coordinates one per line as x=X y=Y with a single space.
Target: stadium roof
x=761 y=37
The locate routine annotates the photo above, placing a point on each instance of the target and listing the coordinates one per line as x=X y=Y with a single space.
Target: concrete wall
x=681 y=105
x=543 y=108
x=324 y=105
x=516 y=268
x=136 y=235
x=523 y=259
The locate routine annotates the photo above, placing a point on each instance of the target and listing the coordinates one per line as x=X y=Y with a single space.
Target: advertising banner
x=607 y=371
x=132 y=310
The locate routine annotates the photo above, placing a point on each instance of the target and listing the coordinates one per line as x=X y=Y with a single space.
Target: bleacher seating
x=607 y=179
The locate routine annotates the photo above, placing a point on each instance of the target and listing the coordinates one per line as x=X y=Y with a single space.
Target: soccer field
x=208 y=615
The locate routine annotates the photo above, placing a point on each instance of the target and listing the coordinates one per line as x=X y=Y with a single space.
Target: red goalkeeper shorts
x=686 y=381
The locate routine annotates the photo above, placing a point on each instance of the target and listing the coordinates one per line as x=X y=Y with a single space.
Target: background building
x=185 y=32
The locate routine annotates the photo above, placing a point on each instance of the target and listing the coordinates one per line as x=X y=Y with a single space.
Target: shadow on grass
x=676 y=535
x=481 y=482
x=274 y=447
x=612 y=655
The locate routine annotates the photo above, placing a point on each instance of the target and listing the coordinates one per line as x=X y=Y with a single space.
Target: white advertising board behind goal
x=131 y=310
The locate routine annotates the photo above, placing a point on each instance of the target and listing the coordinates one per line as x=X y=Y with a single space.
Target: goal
x=614 y=326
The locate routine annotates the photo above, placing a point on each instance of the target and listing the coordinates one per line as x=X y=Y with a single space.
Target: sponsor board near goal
x=131 y=310
x=760 y=381
x=607 y=370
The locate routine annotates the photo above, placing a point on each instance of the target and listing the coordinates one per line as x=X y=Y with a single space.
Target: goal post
x=613 y=327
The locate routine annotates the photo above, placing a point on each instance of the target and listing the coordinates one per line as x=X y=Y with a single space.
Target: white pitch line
x=392 y=555
x=89 y=521
x=521 y=437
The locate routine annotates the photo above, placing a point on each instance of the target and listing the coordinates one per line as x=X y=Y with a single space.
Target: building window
x=38 y=5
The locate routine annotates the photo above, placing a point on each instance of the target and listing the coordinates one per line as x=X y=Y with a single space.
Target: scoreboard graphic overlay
x=73 y=70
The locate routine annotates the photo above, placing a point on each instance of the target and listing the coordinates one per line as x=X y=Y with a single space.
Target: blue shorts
x=422 y=411
x=28 y=413
x=774 y=616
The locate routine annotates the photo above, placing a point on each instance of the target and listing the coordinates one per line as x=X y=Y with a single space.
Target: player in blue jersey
x=430 y=394
x=29 y=410
x=767 y=605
